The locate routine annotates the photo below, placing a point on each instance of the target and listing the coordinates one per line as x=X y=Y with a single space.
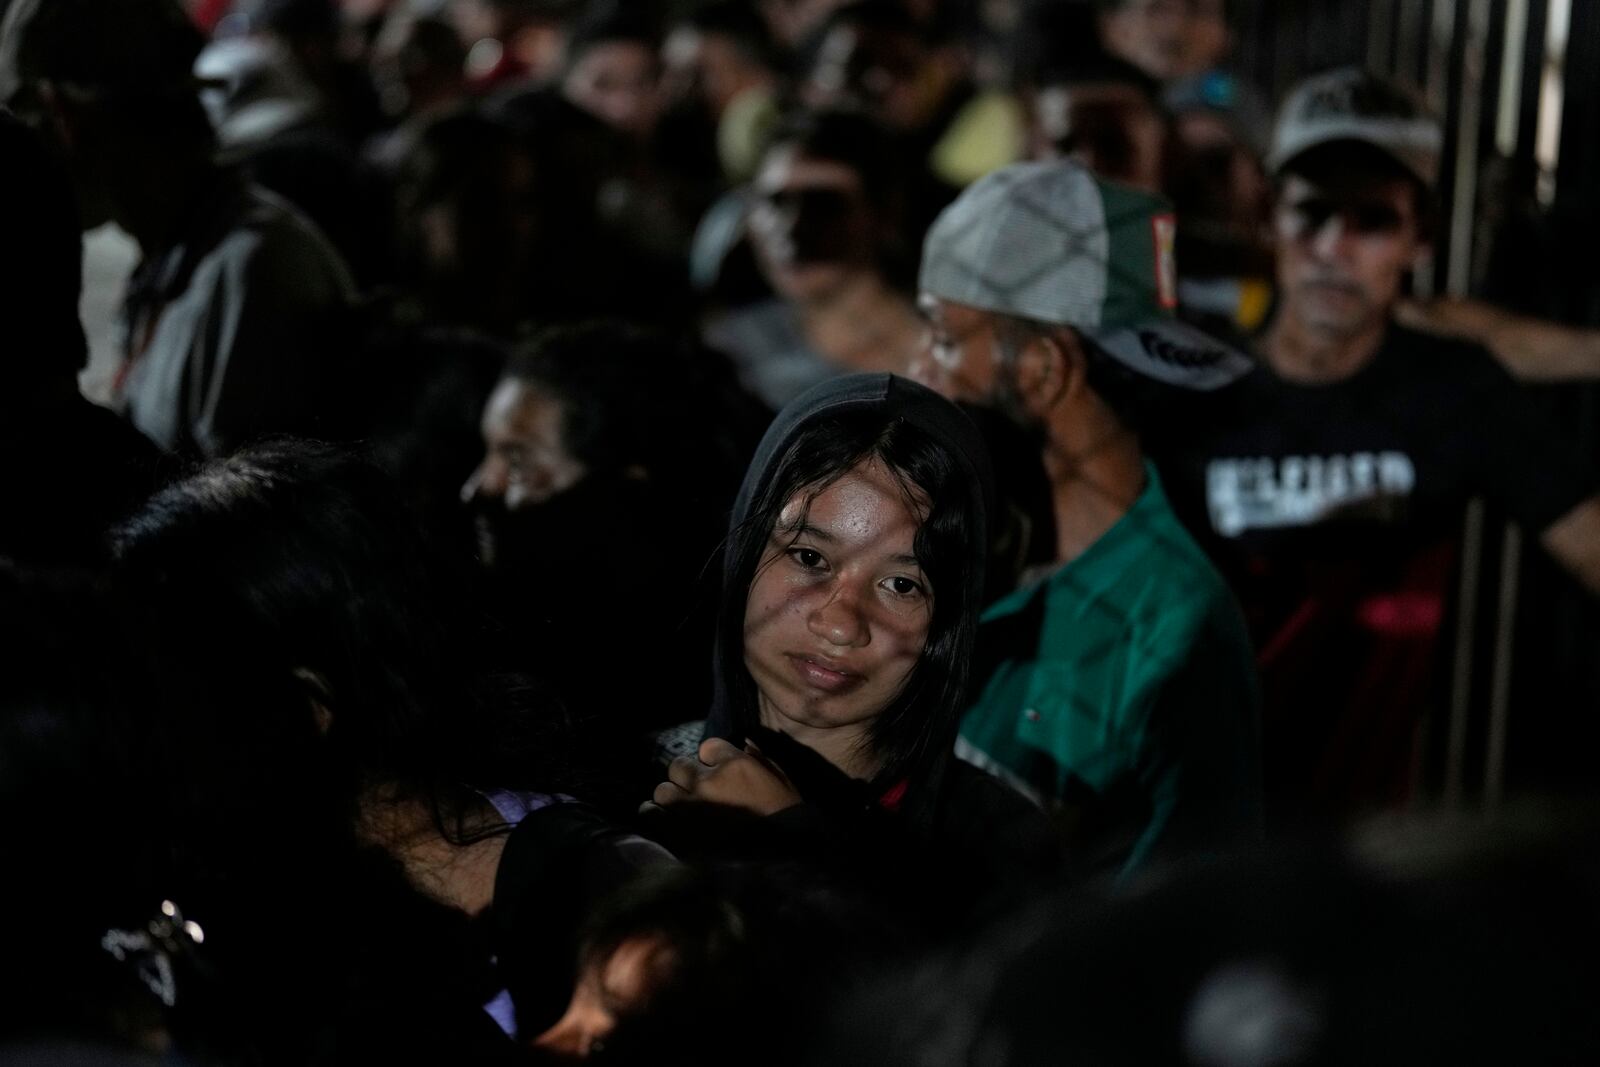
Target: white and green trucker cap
x=1052 y=243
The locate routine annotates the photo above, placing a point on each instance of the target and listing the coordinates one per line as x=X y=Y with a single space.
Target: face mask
x=555 y=535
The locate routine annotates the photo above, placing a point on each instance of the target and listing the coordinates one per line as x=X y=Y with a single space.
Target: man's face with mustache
x=1344 y=244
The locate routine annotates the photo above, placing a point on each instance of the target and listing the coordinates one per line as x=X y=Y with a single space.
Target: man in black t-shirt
x=1331 y=482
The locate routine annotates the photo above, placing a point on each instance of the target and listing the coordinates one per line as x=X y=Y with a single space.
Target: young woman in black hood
x=853 y=578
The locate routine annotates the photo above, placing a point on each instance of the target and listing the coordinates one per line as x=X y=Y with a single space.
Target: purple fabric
x=513 y=806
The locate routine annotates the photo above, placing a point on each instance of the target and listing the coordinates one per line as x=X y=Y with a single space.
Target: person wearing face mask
x=852 y=577
x=824 y=219
x=589 y=428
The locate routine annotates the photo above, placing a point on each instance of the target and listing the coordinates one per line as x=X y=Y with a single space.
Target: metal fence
x=1517 y=83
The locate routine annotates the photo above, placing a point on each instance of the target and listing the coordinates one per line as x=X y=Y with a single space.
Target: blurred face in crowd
x=1167 y=39
x=706 y=68
x=474 y=244
x=1344 y=242
x=810 y=224
x=619 y=83
x=416 y=64
x=525 y=459
x=1222 y=177
x=839 y=610
x=1114 y=130
x=891 y=76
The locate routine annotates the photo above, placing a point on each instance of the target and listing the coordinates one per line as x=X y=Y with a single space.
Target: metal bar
x=1494 y=764
x=1552 y=98
x=1515 y=40
x=1532 y=79
x=1464 y=197
x=1455 y=765
x=1441 y=33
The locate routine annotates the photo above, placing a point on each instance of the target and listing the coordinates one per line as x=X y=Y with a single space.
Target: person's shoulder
x=1176 y=591
x=274 y=226
x=1433 y=357
x=1176 y=564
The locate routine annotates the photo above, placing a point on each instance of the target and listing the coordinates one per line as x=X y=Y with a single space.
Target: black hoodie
x=938 y=807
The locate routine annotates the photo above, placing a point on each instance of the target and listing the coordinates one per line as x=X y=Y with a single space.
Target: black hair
x=907 y=736
x=432 y=42
x=756 y=951
x=290 y=576
x=72 y=695
x=41 y=267
x=852 y=139
x=612 y=22
x=856 y=141
x=452 y=153
x=881 y=16
x=642 y=398
x=135 y=58
x=700 y=927
x=532 y=158
x=298 y=19
x=1040 y=65
x=1352 y=159
x=739 y=23
x=615 y=385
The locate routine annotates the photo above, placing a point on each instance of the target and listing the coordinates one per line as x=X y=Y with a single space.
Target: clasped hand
x=728 y=775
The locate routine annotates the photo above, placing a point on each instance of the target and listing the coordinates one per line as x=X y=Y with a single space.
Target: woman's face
x=839 y=610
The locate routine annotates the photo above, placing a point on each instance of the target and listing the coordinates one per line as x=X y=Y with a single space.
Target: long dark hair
x=913 y=734
x=291 y=575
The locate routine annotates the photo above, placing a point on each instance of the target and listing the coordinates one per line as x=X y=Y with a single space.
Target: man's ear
x=1048 y=370
x=318 y=695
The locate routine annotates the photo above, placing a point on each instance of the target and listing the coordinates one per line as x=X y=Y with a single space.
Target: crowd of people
x=749 y=531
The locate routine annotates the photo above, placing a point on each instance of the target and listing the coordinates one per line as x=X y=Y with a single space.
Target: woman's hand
x=734 y=777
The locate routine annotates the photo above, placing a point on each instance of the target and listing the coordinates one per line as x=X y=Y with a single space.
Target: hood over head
x=935 y=694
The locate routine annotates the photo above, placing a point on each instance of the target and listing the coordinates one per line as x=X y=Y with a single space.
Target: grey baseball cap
x=1351 y=104
x=1052 y=243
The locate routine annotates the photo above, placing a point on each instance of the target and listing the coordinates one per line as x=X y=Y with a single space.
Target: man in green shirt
x=1119 y=689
